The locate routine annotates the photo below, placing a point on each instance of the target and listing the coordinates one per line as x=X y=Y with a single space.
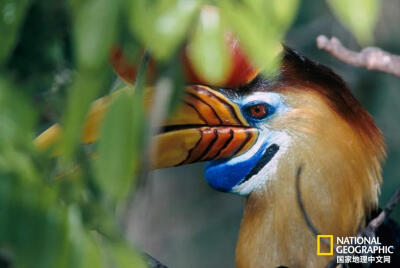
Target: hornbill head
x=230 y=128
x=254 y=133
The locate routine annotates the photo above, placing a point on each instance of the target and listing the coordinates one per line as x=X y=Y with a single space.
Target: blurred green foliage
x=209 y=36
x=114 y=160
x=163 y=24
x=12 y=17
x=359 y=16
x=54 y=63
x=260 y=26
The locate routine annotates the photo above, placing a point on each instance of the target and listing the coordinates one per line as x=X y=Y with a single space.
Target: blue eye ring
x=258 y=110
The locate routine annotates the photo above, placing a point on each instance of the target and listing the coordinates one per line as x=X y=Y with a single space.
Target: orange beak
x=206 y=126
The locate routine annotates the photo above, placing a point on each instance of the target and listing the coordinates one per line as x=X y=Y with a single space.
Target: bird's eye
x=258 y=111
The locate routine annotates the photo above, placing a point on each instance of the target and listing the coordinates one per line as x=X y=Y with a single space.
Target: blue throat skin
x=223 y=175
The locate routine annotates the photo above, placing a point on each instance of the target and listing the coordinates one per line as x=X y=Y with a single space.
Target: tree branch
x=374 y=224
x=153 y=263
x=372 y=58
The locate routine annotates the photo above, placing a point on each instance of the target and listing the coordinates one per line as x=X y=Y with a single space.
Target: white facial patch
x=267 y=172
x=272 y=98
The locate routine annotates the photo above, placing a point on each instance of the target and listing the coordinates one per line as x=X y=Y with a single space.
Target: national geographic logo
x=355 y=249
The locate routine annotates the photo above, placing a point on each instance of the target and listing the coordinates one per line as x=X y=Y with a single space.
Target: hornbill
x=254 y=138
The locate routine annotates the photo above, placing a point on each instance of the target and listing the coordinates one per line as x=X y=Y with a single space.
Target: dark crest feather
x=299 y=71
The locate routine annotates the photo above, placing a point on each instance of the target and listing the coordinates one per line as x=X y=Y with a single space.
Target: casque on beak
x=206 y=126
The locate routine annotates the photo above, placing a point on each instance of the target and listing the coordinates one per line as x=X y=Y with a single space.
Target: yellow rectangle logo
x=319 y=253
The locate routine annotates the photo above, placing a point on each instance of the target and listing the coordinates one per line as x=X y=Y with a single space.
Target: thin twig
x=376 y=222
x=141 y=74
x=373 y=225
x=153 y=263
x=332 y=262
x=138 y=93
x=372 y=58
x=159 y=108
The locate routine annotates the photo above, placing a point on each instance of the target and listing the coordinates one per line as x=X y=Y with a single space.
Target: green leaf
x=12 y=14
x=284 y=12
x=82 y=92
x=161 y=25
x=16 y=132
x=31 y=213
x=95 y=31
x=207 y=49
x=116 y=149
x=17 y=124
x=83 y=250
x=359 y=16
x=261 y=42
x=125 y=257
